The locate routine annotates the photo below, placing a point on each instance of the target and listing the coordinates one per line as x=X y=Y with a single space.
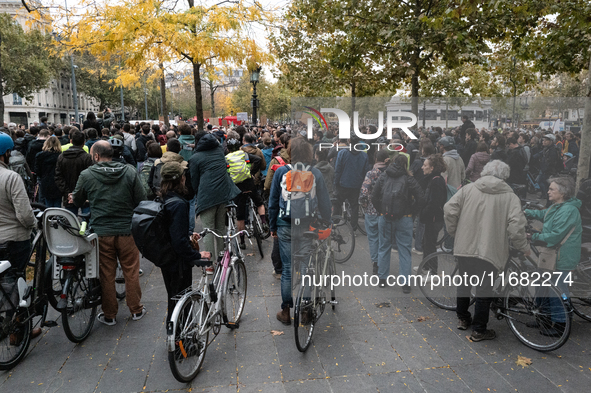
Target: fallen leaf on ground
x=250 y=255
x=523 y=361
x=422 y=319
x=276 y=333
x=469 y=339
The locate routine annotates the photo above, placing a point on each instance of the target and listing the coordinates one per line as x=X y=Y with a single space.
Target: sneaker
x=382 y=283
x=106 y=321
x=487 y=335
x=464 y=324
x=406 y=289
x=417 y=251
x=375 y=269
x=139 y=315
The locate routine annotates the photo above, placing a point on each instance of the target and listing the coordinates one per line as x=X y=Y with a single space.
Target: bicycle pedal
x=49 y=324
x=232 y=325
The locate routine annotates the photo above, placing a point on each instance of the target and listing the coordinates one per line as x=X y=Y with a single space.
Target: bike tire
x=303 y=318
x=343 y=242
x=53 y=286
x=77 y=317
x=442 y=296
x=11 y=355
x=234 y=292
x=582 y=307
x=185 y=366
x=258 y=235
x=580 y=290
x=522 y=307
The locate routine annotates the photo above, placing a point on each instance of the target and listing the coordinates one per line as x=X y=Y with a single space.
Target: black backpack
x=150 y=232
x=394 y=198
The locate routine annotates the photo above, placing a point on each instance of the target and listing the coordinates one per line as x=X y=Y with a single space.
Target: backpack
x=145 y=175
x=18 y=164
x=150 y=233
x=238 y=164
x=394 y=199
x=298 y=200
x=156 y=177
x=274 y=167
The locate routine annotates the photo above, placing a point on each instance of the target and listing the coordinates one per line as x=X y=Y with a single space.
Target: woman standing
x=178 y=275
x=435 y=197
x=562 y=220
x=45 y=163
x=477 y=162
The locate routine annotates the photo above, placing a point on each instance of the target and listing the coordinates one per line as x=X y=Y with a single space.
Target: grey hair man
x=484 y=216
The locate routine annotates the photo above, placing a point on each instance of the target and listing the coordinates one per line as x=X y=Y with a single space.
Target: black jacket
x=92 y=124
x=68 y=168
x=141 y=153
x=45 y=163
x=34 y=147
x=517 y=160
x=499 y=154
x=549 y=159
x=382 y=191
x=434 y=199
x=469 y=149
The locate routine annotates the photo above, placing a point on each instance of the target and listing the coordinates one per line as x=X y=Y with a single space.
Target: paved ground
x=373 y=342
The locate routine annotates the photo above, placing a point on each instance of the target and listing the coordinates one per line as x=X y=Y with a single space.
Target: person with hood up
x=350 y=169
x=371 y=214
x=396 y=195
x=212 y=186
x=477 y=162
x=456 y=171
x=560 y=220
x=484 y=216
x=101 y=184
x=68 y=168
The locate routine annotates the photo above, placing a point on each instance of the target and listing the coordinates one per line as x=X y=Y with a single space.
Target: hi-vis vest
x=238 y=164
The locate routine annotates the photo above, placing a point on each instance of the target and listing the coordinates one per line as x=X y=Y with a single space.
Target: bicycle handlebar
x=207 y=230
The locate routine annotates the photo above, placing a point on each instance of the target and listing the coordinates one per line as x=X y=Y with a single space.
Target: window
x=470 y=114
x=16 y=99
x=451 y=115
x=478 y=115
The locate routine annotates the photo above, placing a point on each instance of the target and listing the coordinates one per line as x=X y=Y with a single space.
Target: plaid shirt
x=367 y=187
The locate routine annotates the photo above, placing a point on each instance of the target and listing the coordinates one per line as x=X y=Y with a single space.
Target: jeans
x=419 y=234
x=484 y=292
x=373 y=232
x=352 y=195
x=401 y=231
x=551 y=304
x=276 y=256
x=291 y=245
x=214 y=218
x=192 y=203
x=123 y=248
x=74 y=210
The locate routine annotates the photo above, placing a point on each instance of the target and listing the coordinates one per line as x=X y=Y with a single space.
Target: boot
x=284 y=317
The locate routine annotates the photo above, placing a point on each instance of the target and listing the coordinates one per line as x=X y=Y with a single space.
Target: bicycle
x=580 y=289
x=21 y=303
x=255 y=226
x=76 y=249
x=343 y=236
x=312 y=295
x=203 y=308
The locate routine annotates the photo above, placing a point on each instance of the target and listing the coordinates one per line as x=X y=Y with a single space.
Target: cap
x=171 y=156
x=447 y=142
x=171 y=171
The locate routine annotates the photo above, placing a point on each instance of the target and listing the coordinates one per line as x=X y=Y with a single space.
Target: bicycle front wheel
x=189 y=345
x=343 y=242
x=538 y=317
x=303 y=317
x=258 y=234
x=79 y=313
x=15 y=338
x=432 y=285
x=234 y=292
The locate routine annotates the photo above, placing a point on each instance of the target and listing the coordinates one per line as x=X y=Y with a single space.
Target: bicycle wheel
x=15 y=338
x=53 y=286
x=120 y=283
x=189 y=346
x=78 y=316
x=303 y=317
x=538 y=317
x=581 y=290
x=437 y=264
x=343 y=242
x=234 y=292
x=258 y=234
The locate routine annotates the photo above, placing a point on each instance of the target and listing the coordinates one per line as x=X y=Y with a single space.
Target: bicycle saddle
x=201 y=262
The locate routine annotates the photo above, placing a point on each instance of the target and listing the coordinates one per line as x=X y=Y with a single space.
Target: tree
x=25 y=65
x=274 y=99
x=152 y=32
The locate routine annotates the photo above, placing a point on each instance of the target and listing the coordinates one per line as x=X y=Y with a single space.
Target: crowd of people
x=446 y=180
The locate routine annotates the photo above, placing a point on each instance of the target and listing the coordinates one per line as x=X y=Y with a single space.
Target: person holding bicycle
x=483 y=216
x=560 y=220
x=16 y=218
x=177 y=276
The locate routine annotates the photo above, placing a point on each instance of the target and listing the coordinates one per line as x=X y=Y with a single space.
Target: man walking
x=113 y=190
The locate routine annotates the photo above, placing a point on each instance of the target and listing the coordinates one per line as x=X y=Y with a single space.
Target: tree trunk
x=414 y=93
x=163 y=95
x=585 y=151
x=353 y=93
x=198 y=96
x=2 y=88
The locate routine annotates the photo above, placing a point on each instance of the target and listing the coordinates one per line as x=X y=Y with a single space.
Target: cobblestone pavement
x=377 y=340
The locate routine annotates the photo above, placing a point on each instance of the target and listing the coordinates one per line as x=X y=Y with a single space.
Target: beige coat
x=483 y=216
x=456 y=172
x=16 y=216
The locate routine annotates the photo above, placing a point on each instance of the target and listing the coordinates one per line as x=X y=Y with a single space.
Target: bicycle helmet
x=6 y=143
x=233 y=144
x=382 y=139
x=116 y=142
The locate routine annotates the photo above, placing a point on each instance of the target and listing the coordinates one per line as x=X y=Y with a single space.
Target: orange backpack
x=298 y=194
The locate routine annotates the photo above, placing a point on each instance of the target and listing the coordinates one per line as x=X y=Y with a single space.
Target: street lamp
x=254 y=79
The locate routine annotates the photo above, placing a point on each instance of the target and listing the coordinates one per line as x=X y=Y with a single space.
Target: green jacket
x=557 y=225
x=113 y=190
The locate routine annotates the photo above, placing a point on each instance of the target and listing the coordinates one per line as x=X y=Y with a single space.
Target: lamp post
x=514 y=91
x=254 y=79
